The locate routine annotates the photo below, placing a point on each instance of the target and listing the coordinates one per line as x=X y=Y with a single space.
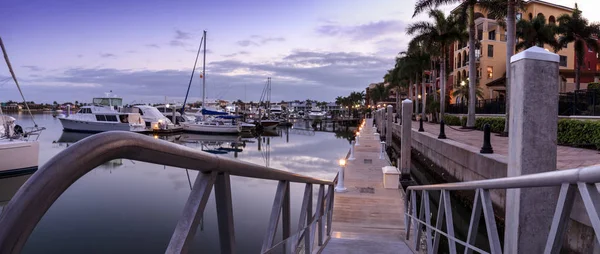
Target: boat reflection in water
x=215 y=144
x=8 y=187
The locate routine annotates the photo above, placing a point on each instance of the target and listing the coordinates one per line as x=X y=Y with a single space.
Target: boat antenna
x=12 y=73
x=192 y=77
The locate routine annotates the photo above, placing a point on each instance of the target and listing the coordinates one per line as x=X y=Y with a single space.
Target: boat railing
x=43 y=188
x=581 y=180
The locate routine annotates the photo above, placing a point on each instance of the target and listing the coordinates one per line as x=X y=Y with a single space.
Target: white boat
x=153 y=118
x=316 y=113
x=212 y=126
x=17 y=154
x=275 y=110
x=103 y=115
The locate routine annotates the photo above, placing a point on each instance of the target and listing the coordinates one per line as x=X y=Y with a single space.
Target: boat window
x=116 y=101
x=100 y=118
x=123 y=118
x=101 y=101
x=111 y=118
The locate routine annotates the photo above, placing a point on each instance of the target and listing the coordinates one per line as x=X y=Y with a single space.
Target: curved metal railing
x=43 y=188
x=582 y=180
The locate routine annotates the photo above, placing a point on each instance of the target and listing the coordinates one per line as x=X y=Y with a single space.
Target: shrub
x=452 y=120
x=593 y=86
x=579 y=133
x=496 y=123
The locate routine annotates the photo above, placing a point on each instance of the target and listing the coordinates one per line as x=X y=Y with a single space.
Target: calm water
x=129 y=206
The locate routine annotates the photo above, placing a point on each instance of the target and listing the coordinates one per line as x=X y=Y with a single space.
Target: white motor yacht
x=103 y=115
x=316 y=113
x=17 y=154
x=153 y=118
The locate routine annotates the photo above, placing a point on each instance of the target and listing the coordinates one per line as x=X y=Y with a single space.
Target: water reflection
x=126 y=206
x=8 y=187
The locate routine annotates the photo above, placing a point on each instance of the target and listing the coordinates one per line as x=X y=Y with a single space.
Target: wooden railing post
x=192 y=213
x=225 y=213
x=274 y=219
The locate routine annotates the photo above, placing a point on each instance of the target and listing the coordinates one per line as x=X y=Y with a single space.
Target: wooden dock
x=367 y=218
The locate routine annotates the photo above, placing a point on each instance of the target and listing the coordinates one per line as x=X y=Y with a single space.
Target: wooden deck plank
x=367 y=218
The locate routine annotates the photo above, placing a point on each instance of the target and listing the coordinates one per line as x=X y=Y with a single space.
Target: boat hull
x=18 y=157
x=315 y=117
x=215 y=129
x=83 y=126
x=268 y=124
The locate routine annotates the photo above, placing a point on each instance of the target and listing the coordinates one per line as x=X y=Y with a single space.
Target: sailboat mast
x=204 y=74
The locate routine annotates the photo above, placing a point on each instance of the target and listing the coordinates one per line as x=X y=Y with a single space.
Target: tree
x=419 y=59
x=379 y=93
x=439 y=34
x=575 y=28
x=463 y=92
x=536 y=32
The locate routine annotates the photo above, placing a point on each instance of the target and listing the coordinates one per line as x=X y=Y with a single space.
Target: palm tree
x=418 y=59
x=463 y=92
x=575 y=28
x=439 y=34
x=536 y=33
x=379 y=93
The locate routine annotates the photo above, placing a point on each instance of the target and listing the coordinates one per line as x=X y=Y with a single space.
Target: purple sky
x=71 y=50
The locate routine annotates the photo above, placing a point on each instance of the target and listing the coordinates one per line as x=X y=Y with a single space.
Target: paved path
x=367 y=218
x=568 y=157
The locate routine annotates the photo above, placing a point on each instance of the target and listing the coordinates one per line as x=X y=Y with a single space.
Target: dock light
x=340 y=184
x=167 y=105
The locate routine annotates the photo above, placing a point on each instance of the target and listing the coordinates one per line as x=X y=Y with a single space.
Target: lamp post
x=357 y=138
x=340 y=183
x=351 y=158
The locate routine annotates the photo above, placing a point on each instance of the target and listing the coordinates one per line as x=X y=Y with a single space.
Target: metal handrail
x=589 y=174
x=43 y=188
x=570 y=181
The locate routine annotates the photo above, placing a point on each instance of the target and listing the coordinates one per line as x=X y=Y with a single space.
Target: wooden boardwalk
x=367 y=218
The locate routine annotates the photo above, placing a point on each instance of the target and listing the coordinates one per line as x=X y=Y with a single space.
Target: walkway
x=568 y=157
x=367 y=218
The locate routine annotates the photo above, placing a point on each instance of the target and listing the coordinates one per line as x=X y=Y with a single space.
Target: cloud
x=152 y=46
x=236 y=54
x=177 y=43
x=107 y=55
x=257 y=40
x=79 y=56
x=131 y=51
x=180 y=35
x=246 y=43
x=362 y=31
x=33 y=67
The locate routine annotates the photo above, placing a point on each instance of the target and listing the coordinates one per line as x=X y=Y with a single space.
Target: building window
x=490 y=50
x=490 y=72
x=552 y=20
x=589 y=66
x=563 y=61
x=492 y=35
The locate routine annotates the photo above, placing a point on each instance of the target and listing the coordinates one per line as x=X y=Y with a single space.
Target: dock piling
x=382 y=150
x=351 y=158
x=405 y=139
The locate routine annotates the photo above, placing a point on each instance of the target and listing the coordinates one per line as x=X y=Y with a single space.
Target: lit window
x=490 y=72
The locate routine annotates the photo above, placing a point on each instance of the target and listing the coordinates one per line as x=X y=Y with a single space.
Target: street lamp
x=462 y=83
x=419 y=96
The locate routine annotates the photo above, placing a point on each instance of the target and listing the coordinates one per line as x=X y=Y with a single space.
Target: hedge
x=571 y=132
x=579 y=133
x=455 y=120
x=496 y=123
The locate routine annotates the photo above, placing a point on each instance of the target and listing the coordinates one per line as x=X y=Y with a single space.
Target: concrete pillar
x=405 y=136
x=531 y=148
x=388 y=128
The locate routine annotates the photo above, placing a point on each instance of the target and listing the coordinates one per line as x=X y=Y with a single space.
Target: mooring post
x=531 y=148
x=405 y=139
x=351 y=158
x=442 y=130
x=389 y=126
x=421 y=125
x=487 y=144
x=340 y=184
x=382 y=150
x=357 y=138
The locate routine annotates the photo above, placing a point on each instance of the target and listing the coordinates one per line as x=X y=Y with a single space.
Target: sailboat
x=214 y=122
x=18 y=154
x=264 y=120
